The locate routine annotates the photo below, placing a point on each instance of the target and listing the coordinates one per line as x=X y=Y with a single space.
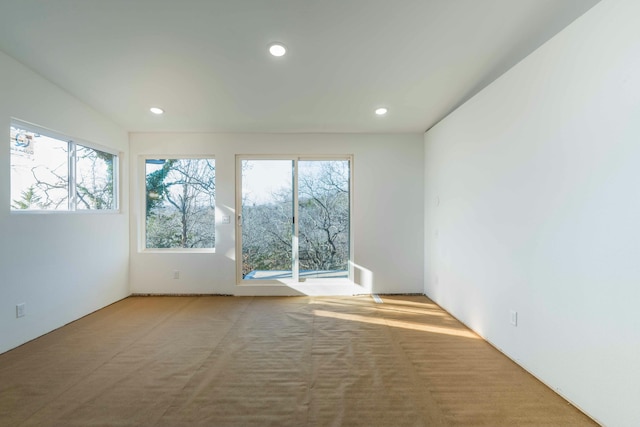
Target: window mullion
x=73 y=203
x=294 y=232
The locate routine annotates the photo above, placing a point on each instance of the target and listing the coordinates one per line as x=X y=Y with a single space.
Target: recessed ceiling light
x=381 y=111
x=277 y=49
x=156 y=110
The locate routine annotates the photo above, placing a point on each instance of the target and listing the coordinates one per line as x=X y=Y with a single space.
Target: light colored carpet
x=262 y=361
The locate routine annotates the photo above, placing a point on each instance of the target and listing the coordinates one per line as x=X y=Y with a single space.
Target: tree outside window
x=180 y=203
x=50 y=172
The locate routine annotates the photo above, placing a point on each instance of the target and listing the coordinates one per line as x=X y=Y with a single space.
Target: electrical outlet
x=513 y=317
x=20 y=310
x=176 y=274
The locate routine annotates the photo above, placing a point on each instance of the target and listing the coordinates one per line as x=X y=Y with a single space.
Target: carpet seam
x=439 y=416
x=204 y=360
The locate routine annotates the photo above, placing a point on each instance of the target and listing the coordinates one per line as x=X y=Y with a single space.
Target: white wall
x=387 y=210
x=538 y=182
x=63 y=265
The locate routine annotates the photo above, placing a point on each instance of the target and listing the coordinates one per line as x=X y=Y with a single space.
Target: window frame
x=295 y=279
x=142 y=204
x=72 y=143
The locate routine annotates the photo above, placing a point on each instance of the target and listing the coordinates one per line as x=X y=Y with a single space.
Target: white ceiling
x=206 y=62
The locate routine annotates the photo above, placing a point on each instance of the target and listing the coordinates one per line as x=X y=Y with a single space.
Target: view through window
x=180 y=203
x=295 y=218
x=52 y=172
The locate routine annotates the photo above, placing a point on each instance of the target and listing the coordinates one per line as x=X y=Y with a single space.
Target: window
x=180 y=203
x=295 y=218
x=51 y=172
x=94 y=179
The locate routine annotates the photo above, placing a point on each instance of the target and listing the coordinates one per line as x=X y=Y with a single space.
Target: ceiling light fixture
x=277 y=49
x=381 y=111
x=156 y=110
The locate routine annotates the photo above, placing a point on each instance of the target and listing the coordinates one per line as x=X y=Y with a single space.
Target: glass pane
x=180 y=203
x=267 y=219
x=323 y=209
x=39 y=171
x=94 y=179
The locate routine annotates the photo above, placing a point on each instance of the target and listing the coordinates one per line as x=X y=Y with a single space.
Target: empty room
x=320 y=213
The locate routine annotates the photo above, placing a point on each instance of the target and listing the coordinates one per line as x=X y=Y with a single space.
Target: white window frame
x=142 y=204
x=295 y=279
x=71 y=165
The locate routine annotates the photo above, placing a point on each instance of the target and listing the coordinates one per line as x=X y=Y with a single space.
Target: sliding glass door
x=323 y=212
x=266 y=219
x=294 y=218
